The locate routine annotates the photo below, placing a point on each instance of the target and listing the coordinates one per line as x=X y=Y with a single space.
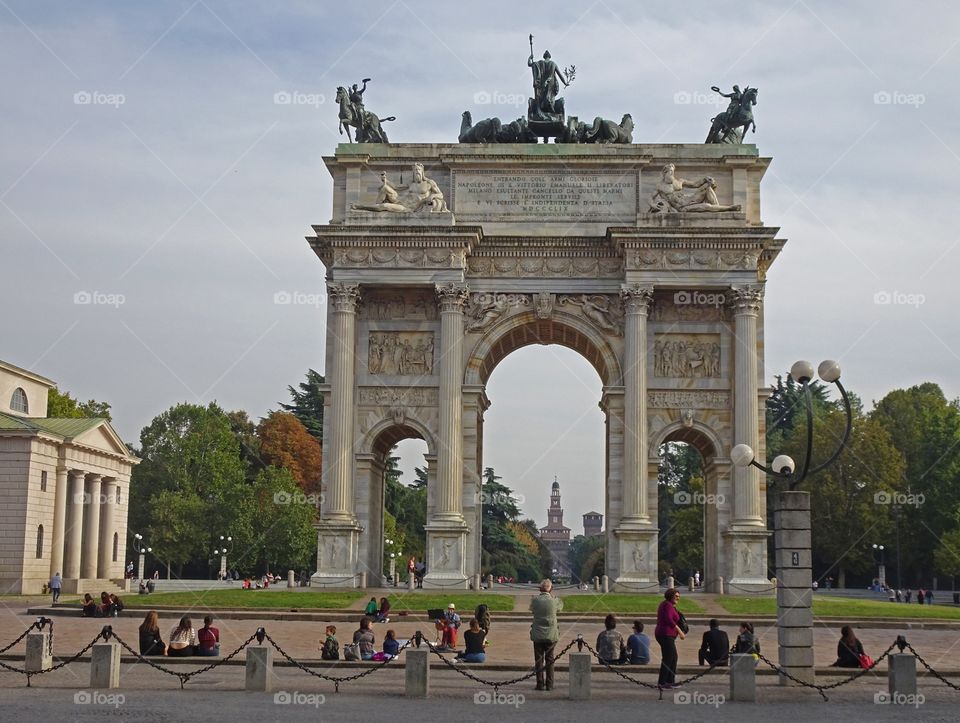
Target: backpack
x=682 y=624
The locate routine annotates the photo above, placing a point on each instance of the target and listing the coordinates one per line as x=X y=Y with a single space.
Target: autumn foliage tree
x=285 y=442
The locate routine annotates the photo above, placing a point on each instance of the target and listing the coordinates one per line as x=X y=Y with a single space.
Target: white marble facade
x=544 y=246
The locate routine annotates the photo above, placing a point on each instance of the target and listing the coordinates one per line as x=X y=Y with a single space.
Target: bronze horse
x=368 y=127
x=726 y=129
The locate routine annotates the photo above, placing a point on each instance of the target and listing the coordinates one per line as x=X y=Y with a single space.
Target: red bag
x=866 y=661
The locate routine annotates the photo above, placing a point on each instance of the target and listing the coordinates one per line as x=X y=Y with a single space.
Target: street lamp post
x=794 y=559
x=882 y=568
x=226 y=545
x=897 y=510
x=141 y=548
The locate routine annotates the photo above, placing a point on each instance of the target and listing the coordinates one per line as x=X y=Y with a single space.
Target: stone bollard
x=670 y=581
x=38 y=655
x=580 y=675
x=417 y=667
x=606 y=584
x=363 y=579
x=259 y=668
x=743 y=678
x=720 y=585
x=596 y=583
x=901 y=676
x=105 y=666
x=291 y=578
x=411 y=581
x=477 y=582
x=690 y=585
x=489 y=582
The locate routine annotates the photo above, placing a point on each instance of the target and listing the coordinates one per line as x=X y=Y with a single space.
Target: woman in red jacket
x=666 y=633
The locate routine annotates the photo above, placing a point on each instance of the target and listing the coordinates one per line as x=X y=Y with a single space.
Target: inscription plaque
x=545 y=195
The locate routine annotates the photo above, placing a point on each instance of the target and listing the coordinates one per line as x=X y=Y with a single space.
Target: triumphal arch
x=442 y=259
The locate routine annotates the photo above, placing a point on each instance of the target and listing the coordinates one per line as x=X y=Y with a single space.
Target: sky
x=156 y=188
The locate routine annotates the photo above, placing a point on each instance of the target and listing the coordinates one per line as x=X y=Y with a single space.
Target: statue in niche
x=639 y=561
x=421 y=193
x=731 y=125
x=670 y=198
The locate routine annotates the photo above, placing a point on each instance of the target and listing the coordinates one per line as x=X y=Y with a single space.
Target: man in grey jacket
x=544 y=632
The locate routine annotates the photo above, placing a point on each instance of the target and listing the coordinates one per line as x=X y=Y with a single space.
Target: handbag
x=682 y=623
x=865 y=661
x=351 y=651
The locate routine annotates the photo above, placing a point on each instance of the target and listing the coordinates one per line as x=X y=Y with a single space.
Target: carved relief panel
x=404 y=353
x=686 y=356
x=399 y=304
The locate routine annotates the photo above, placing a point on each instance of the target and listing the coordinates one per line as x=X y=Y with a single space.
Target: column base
x=637 y=546
x=446 y=555
x=747 y=560
x=338 y=546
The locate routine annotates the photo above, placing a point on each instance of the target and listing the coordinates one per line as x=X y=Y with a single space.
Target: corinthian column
x=91 y=529
x=746 y=303
x=73 y=536
x=343 y=300
x=636 y=300
x=59 y=522
x=449 y=503
x=108 y=491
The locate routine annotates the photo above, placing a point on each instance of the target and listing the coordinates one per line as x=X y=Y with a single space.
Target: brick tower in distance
x=555 y=535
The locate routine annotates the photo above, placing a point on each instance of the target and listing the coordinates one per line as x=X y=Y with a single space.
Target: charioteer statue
x=545 y=113
x=731 y=125
x=353 y=113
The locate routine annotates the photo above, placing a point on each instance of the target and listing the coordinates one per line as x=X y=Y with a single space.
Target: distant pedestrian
x=899 y=596
x=56 y=582
x=920 y=595
x=907 y=595
x=544 y=632
x=669 y=628
x=929 y=596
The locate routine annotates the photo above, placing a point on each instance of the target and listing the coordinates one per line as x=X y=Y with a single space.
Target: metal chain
x=497 y=684
x=22 y=636
x=332 y=678
x=182 y=677
x=67 y=661
x=933 y=672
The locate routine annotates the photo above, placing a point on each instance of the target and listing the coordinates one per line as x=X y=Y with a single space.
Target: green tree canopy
x=61 y=405
x=307 y=403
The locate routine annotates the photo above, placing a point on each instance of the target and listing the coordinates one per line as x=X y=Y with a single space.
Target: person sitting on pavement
x=747 y=643
x=330 y=650
x=638 y=646
x=89 y=609
x=715 y=646
x=383 y=613
x=183 y=639
x=482 y=614
x=451 y=623
x=849 y=649
x=365 y=639
x=391 y=646
x=474 y=641
x=150 y=641
x=208 y=638
x=610 y=646
x=371 y=609
x=105 y=608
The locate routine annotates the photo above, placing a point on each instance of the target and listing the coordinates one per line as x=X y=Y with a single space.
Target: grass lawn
x=622 y=603
x=267 y=599
x=421 y=602
x=842 y=607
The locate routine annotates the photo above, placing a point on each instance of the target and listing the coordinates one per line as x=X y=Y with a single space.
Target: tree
x=405 y=507
x=506 y=547
x=680 y=493
x=307 y=405
x=60 y=405
x=246 y=433
x=587 y=557
x=285 y=442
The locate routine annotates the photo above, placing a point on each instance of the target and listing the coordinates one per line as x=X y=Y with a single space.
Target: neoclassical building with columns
x=64 y=485
x=649 y=260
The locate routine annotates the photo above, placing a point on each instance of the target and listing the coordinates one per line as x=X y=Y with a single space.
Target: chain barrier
x=660 y=688
x=332 y=678
x=183 y=677
x=35 y=625
x=495 y=684
x=104 y=633
x=924 y=663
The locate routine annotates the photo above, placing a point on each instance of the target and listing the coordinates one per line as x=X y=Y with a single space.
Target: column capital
x=343 y=297
x=636 y=298
x=452 y=296
x=746 y=298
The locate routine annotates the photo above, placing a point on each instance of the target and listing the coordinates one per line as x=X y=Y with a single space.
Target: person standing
x=544 y=632
x=56 y=582
x=666 y=633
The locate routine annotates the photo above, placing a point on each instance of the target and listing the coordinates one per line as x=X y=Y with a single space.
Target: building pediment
x=102 y=437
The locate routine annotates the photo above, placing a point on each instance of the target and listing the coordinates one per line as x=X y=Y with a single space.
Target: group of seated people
x=378 y=612
x=715 y=646
x=363 y=646
x=260 y=583
x=184 y=641
x=110 y=606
